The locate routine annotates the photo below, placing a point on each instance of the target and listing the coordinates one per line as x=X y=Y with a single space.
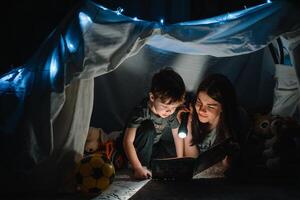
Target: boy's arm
x=129 y=147
x=139 y=171
x=178 y=143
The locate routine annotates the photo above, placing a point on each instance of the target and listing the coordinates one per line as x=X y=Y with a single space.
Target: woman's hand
x=142 y=173
x=233 y=151
x=227 y=162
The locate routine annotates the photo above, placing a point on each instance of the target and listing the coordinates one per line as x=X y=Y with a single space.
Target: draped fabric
x=47 y=104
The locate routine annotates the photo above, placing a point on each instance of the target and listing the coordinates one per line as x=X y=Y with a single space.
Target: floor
x=208 y=185
x=122 y=188
x=215 y=189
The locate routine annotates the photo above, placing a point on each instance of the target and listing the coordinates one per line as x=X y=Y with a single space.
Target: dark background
x=27 y=23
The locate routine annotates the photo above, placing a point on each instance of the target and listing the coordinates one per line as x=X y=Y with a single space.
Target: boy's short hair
x=168 y=86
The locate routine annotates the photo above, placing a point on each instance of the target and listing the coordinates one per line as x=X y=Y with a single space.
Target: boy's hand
x=180 y=111
x=142 y=173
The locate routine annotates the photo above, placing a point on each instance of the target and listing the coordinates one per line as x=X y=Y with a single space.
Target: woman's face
x=208 y=110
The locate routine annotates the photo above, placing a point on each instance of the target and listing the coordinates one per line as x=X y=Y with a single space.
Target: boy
x=151 y=118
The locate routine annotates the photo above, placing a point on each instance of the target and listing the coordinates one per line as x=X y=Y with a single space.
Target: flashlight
x=182 y=131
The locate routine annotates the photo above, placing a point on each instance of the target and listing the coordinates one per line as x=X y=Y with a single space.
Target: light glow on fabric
x=72 y=43
x=6 y=78
x=14 y=77
x=53 y=65
x=102 y=7
x=19 y=76
x=14 y=82
x=84 y=19
x=162 y=21
x=269 y=1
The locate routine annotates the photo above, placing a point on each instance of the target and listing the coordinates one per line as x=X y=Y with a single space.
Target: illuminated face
x=208 y=109
x=162 y=109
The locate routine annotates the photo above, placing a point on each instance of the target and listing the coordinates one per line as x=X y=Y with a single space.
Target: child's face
x=162 y=109
x=208 y=110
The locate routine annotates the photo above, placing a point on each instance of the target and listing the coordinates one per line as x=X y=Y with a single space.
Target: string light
x=162 y=21
x=71 y=47
x=72 y=44
x=119 y=10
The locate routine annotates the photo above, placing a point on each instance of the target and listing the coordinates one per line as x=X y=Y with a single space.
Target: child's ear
x=151 y=96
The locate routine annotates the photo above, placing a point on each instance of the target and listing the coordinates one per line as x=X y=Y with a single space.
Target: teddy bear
x=92 y=141
x=98 y=141
x=264 y=125
x=260 y=131
x=275 y=141
x=96 y=137
x=282 y=149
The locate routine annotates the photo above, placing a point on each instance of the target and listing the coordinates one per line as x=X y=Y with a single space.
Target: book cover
x=187 y=167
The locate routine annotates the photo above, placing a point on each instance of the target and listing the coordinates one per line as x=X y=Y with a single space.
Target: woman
x=213 y=115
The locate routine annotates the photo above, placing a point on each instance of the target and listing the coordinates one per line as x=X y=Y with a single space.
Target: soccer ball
x=94 y=174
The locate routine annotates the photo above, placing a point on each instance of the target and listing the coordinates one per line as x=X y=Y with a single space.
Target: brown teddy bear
x=99 y=141
x=261 y=130
x=264 y=125
x=274 y=141
x=93 y=140
x=283 y=148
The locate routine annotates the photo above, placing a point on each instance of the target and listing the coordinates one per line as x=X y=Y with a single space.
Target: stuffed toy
x=99 y=141
x=93 y=140
x=276 y=141
x=282 y=149
x=255 y=145
x=264 y=125
x=96 y=137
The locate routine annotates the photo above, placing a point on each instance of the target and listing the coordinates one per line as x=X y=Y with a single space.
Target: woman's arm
x=178 y=143
x=190 y=150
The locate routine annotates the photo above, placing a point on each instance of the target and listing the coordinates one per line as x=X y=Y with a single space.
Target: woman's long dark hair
x=219 y=88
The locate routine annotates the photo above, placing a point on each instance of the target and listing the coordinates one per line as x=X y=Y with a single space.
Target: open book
x=186 y=167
